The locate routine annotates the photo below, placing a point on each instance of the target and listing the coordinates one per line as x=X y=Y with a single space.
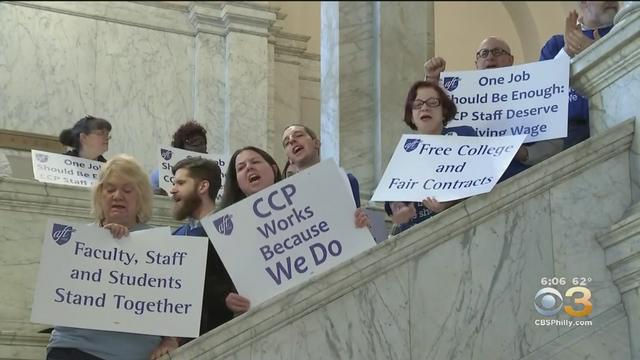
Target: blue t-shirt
x=578 y=121
x=108 y=345
x=422 y=212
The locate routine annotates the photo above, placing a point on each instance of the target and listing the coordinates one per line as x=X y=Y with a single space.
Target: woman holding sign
x=251 y=170
x=427 y=109
x=88 y=138
x=121 y=203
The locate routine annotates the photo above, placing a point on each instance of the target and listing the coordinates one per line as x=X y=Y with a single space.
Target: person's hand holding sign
x=166 y=345
x=362 y=220
x=402 y=213
x=118 y=231
x=237 y=303
x=574 y=40
x=437 y=207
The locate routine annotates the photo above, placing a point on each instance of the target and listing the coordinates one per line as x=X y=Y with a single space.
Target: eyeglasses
x=430 y=102
x=484 y=53
x=101 y=133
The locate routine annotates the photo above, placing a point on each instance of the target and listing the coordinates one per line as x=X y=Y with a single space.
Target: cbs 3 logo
x=548 y=301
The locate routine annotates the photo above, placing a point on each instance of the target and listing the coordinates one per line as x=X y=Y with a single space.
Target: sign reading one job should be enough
x=65 y=170
x=445 y=167
x=530 y=99
x=149 y=282
x=288 y=232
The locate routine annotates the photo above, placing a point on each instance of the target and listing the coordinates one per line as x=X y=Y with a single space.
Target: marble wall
x=149 y=67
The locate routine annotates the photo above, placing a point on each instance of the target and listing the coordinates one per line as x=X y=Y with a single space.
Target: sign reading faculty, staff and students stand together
x=530 y=99
x=288 y=232
x=63 y=169
x=169 y=156
x=149 y=282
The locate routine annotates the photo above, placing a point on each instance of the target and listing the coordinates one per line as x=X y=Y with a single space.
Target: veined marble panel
x=247 y=90
x=616 y=102
x=144 y=82
x=330 y=75
x=47 y=69
x=372 y=322
x=210 y=88
x=611 y=342
x=577 y=219
x=287 y=106
x=607 y=337
x=471 y=291
x=357 y=91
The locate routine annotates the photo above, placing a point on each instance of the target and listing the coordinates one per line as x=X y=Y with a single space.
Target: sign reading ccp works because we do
x=283 y=235
x=63 y=169
x=138 y=284
x=169 y=156
x=529 y=99
x=445 y=167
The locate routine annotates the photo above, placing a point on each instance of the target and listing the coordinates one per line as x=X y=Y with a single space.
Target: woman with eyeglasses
x=427 y=109
x=88 y=138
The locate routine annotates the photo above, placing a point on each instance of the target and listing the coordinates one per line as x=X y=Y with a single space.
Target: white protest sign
x=445 y=167
x=283 y=235
x=530 y=99
x=149 y=282
x=169 y=156
x=63 y=169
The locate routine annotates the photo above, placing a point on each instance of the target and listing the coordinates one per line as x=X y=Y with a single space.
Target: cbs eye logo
x=548 y=301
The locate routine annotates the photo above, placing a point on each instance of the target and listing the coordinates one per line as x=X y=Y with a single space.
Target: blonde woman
x=121 y=202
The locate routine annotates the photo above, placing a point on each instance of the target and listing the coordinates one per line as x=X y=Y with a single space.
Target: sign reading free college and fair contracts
x=169 y=156
x=283 y=235
x=530 y=99
x=149 y=282
x=445 y=167
x=63 y=169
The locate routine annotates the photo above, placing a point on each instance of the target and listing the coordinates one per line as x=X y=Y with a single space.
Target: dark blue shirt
x=578 y=122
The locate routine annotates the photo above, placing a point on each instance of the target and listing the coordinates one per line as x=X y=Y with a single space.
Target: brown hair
x=449 y=109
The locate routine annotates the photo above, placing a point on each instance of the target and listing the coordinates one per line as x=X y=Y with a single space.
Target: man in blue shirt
x=596 y=21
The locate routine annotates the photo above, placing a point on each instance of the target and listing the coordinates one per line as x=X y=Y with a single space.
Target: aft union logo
x=43 y=158
x=224 y=225
x=411 y=144
x=61 y=234
x=451 y=82
x=166 y=154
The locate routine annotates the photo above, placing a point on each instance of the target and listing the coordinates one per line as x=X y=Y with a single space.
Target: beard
x=188 y=204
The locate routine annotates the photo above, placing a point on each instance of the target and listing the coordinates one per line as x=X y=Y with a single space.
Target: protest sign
x=149 y=282
x=169 y=156
x=288 y=232
x=63 y=169
x=530 y=99
x=445 y=167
